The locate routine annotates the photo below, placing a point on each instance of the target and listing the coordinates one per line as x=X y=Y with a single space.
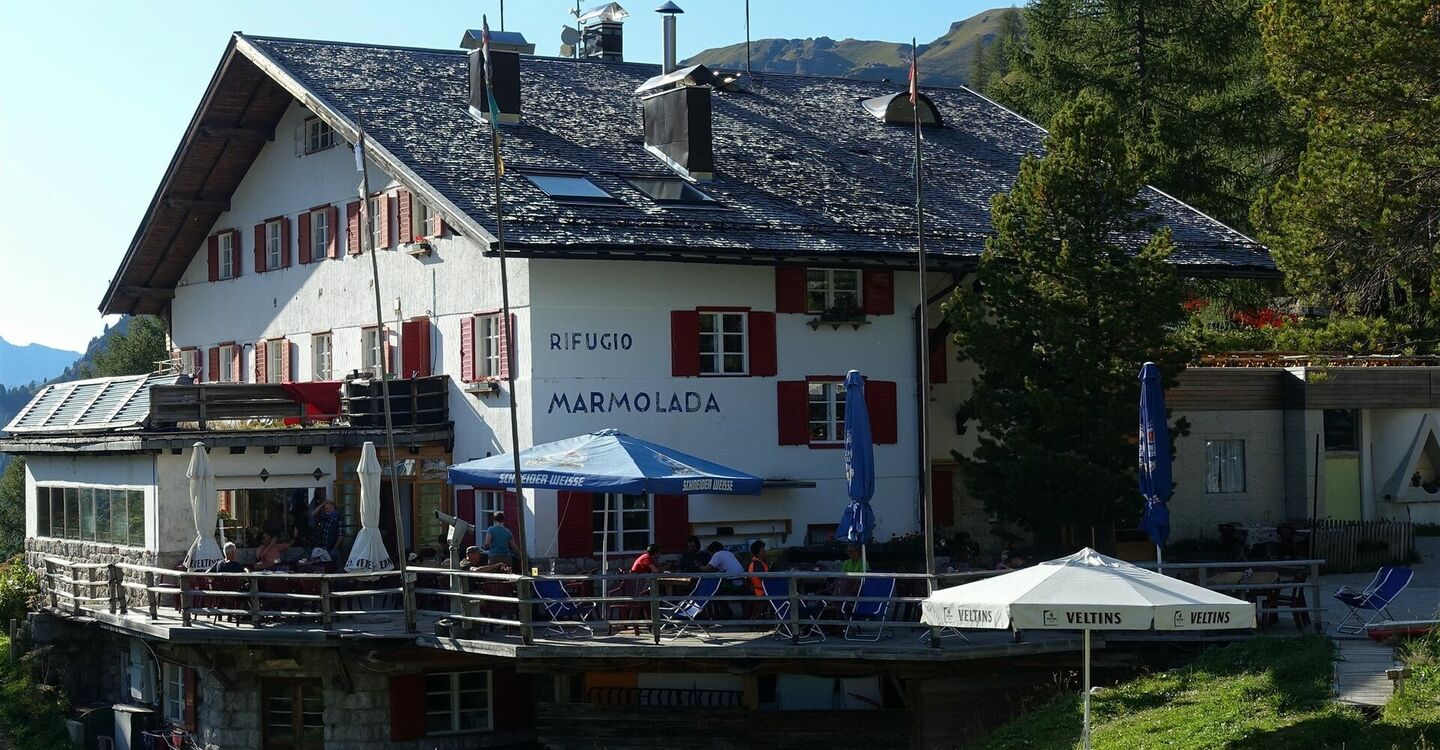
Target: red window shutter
x=260 y=248
x=790 y=289
x=333 y=249
x=878 y=295
x=213 y=372
x=191 y=699
x=762 y=344
x=286 y=363
x=384 y=222
x=672 y=522
x=435 y=226
x=213 y=253
x=413 y=333
x=575 y=519
x=684 y=343
x=285 y=242
x=793 y=402
x=467 y=349
x=506 y=344
x=880 y=400
x=942 y=496
x=402 y=201
x=407 y=707
x=387 y=352
x=465 y=511
x=236 y=266
x=939 y=357
x=261 y=350
x=303 y=246
x=513 y=701
x=352 y=227
x=511 y=505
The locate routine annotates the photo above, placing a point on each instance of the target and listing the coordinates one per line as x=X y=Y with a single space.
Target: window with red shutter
x=573 y=515
x=672 y=522
x=761 y=327
x=793 y=410
x=382 y=215
x=213 y=256
x=878 y=297
x=467 y=349
x=505 y=345
x=684 y=343
x=415 y=348
x=880 y=400
x=286 y=362
x=262 y=351
x=790 y=289
x=942 y=496
x=213 y=372
x=407 y=707
x=260 y=247
x=402 y=214
x=285 y=242
x=303 y=246
x=237 y=267
x=332 y=239
x=352 y=227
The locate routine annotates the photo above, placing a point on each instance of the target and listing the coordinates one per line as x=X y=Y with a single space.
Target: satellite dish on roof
x=567 y=50
x=569 y=36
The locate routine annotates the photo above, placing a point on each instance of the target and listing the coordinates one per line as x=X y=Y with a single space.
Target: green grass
x=32 y=717
x=1264 y=694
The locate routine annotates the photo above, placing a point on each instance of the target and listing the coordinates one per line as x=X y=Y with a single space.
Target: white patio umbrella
x=369 y=553
x=1085 y=591
x=205 y=507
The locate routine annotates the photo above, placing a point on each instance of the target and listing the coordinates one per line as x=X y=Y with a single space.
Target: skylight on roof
x=670 y=190
x=569 y=187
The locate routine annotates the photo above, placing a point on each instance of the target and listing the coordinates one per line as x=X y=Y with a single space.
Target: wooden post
x=150 y=598
x=111 y=587
x=527 y=631
x=1313 y=582
x=254 y=600
x=50 y=586
x=655 y=610
x=184 y=600
x=76 y=586
x=793 y=620
x=327 y=607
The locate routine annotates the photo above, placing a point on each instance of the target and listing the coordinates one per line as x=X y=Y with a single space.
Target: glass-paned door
x=293 y=715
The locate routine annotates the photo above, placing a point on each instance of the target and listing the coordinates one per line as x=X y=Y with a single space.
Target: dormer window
x=563 y=187
x=318 y=135
x=671 y=190
x=896 y=109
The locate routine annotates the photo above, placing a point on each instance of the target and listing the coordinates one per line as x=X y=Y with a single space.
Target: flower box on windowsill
x=483 y=388
x=419 y=246
x=839 y=316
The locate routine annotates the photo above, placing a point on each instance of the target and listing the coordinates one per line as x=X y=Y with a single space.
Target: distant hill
x=946 y=61
x=32 y=363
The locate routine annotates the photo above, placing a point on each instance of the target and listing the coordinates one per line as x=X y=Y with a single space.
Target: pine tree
x=12 y=509
x=1187 y=78
x=133 y=352
x=1072 y=294
x=978 y=73
x=1358 y=225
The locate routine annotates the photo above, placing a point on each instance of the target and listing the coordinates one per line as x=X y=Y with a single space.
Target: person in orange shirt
x=757 y=565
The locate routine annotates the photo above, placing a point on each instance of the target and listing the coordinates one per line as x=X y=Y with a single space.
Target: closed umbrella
x=369 y=553
x=205 y=506
x=1085 y=591
x=857 y=523
x=1154 y=469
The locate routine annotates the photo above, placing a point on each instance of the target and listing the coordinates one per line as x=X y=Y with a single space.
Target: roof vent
x=676 y=109
x=601 y=36
x=896 y=109
x=669 y=10
x=506 y=47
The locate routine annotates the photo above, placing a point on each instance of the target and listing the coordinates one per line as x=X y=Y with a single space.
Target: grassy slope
x=1257 y=695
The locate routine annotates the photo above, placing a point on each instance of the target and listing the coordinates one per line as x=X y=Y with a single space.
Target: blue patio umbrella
x=1155 y=484
x=857 y=523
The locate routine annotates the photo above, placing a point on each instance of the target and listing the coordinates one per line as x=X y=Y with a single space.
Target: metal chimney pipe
x=669 y=10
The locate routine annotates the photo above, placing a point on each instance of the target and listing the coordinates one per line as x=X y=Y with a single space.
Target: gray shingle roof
x=800 y=168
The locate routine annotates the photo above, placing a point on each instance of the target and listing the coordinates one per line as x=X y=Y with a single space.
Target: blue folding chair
x=567 y=616
x=880 y=591
x=777 y=591
x=1389 y=581
x=683 y=614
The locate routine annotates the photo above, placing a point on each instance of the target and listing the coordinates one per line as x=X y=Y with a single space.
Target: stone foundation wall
x=38 y=548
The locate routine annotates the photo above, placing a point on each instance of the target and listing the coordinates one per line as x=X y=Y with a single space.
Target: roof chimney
x=601 y=36
x=505 y=50
x=676 y=110
x=669 y=10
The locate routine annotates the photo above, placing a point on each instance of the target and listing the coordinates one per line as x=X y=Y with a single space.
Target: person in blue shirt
x=327 y=525
x=499 y=543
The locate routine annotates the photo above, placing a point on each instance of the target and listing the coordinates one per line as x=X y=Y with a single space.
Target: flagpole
x=509 y=353
x=382 y=338
x=927 y=499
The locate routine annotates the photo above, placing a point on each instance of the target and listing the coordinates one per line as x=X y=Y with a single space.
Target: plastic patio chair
x=683 y=614
x=567 y=617
x=881 y=590
x=777 y=592
x=1389 y=581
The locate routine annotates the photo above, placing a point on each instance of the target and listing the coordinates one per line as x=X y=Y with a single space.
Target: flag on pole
x=360 y=153
x=490 y=94
x=914 y=81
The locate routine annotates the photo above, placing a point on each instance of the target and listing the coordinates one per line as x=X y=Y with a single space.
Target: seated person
x=476 y=561
x=692 y=559
x=1010 y=559
x=724 y=561
x=758 y=564
x=231 y=565
x=647 y=562
x=271 y=552
x=854 y=562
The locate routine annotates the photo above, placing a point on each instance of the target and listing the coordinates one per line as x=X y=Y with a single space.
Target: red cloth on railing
x=321 y=398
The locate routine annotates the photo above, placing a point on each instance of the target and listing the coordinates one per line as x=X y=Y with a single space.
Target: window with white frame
x=137 y=674
x=190 y=362
x=274 y=245
x=372 y=350
x=318 y=135
x=226 y=243
x=629 y=521
x=827 y=411
x=832 y=289
x=319 y=233
x=722 y=343
x=486 y=505
x=419 y=219
x=1224 y=466
x=457 y=702
x=275 y=361
x=377 y=237
x=322 y=357
x=487 y=346
x=227 y=364
x=172 y=689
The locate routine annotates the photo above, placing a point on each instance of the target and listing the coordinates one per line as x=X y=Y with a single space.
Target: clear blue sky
x=94 y=97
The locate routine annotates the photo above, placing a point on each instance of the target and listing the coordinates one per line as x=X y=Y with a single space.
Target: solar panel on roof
x=90 y=405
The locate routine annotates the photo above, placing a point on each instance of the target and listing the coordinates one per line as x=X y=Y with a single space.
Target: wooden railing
x=204 y=402
x=480 y=605
x=1273 y=600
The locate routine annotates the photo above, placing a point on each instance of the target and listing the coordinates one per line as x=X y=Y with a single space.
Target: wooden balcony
x=414 y=402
